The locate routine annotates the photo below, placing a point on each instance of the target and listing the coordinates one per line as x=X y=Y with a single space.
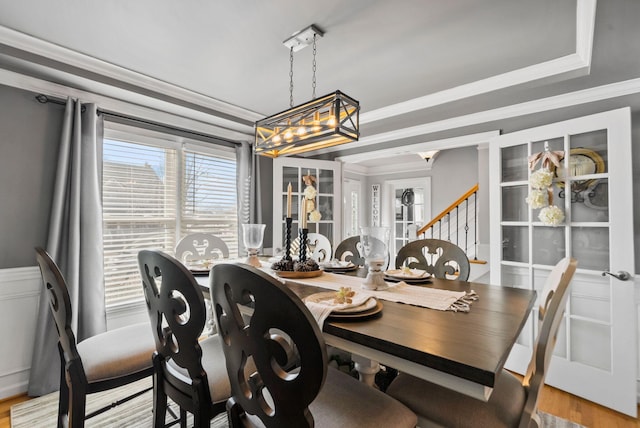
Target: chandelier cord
x=291 y=77
x=313 y=82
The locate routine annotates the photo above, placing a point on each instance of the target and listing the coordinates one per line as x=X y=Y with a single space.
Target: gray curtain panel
x=74 y=241
x=249 y=203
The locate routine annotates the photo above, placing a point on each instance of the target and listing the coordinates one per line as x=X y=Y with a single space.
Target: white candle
x=303 y=214
x=289 y=201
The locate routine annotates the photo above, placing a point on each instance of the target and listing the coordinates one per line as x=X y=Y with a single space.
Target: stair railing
x=458 y=224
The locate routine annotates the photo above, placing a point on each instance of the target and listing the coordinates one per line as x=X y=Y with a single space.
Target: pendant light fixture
x=322 y=122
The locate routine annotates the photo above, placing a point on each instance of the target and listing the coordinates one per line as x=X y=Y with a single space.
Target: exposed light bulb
x=301 y=131
x=288 y=135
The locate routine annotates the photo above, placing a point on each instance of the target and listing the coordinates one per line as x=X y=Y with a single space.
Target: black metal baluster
x=466 y=226
x=475 y=223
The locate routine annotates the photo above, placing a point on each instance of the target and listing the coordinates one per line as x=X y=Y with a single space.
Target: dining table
x=463 y=351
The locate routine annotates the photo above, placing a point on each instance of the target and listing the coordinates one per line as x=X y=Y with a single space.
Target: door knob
x=621 y=275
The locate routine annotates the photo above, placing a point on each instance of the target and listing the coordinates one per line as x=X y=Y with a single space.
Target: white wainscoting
x=19 y=301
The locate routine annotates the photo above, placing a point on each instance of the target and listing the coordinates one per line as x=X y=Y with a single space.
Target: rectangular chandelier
x=323 y=122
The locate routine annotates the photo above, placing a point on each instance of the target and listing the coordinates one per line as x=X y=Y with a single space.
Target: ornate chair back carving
x=318 y=247
x=440 y=258
x=177 y=312
x=201 y=246
x=280 y=330
x=350 y=250
x=60 y=305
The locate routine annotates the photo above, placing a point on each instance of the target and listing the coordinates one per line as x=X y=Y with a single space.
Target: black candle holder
x=302 y=254
x=287 y=239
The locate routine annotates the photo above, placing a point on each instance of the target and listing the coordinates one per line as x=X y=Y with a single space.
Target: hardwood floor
x=552 y=401
x=5 y=407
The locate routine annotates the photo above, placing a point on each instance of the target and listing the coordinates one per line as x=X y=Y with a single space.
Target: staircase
x=458 y=224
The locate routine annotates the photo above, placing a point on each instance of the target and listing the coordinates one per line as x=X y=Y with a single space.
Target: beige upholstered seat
x=512 y=403
x=124 y=350
x=99 y=363
x=442 y=259
x=190 y=372
x=276 y=361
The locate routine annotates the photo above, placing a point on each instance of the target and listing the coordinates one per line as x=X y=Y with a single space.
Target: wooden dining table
x=463 y=351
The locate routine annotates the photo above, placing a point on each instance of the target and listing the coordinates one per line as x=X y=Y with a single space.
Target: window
x=154 y=192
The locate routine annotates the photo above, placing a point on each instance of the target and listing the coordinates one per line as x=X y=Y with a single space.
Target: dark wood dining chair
x=101 y=362
x=201 y=246
x=350 y=250
x=513 y=402
x=190 y=372
x=290 y=383
x=441 y=259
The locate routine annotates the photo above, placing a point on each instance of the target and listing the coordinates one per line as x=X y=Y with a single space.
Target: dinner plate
x=295 y=274
x=339 y=269
x=414 y=274
x=424 y=280
x=369 y=304
x=356 y=316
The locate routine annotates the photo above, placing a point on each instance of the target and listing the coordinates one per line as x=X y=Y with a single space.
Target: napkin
x=323 y=308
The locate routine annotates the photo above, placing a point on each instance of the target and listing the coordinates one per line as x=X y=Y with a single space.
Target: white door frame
x=615 y=387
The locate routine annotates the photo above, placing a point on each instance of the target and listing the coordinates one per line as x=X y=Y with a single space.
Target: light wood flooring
x=552 y=401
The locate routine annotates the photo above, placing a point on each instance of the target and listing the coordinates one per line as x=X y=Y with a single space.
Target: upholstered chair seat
x=117 y=353
x=452 y=409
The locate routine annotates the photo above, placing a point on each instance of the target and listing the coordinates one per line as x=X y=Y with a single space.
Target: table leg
x=366 y=368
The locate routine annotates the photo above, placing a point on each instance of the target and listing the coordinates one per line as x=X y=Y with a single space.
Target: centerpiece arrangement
x=303 y=267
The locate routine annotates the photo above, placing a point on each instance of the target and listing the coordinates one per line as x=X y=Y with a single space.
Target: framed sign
x=375 y=205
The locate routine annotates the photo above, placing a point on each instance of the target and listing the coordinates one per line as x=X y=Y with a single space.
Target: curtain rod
x=43 y=99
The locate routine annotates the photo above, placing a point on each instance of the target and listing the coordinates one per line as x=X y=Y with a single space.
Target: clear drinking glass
x=252 y=236
x=375 y=245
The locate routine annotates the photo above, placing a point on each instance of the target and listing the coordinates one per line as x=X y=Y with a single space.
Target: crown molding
x=136 y=105
x=584 y=96
x=64 y=55
x=391 y=168
x=446 y=143
x=575 y=64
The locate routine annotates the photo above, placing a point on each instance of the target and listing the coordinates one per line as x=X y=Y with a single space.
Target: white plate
x=412 y=274
x=330 y=295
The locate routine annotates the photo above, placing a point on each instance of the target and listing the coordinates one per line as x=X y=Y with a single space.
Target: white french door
x=595 y=355
x=328 y=199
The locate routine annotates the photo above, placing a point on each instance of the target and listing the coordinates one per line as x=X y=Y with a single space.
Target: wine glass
x=252 y=235
x=375 y=242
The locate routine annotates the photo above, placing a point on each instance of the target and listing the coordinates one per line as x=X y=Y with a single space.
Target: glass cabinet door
x=323 y=201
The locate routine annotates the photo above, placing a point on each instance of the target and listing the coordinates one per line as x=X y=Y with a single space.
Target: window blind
x=152 y=196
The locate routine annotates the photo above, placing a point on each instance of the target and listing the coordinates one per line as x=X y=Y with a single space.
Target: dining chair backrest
x=279 y=331
x=552 y=303
x=318 y=247
x=177 y=312
x=350 y=250
x=442 y=259
x=201 y=246
x=60 y=305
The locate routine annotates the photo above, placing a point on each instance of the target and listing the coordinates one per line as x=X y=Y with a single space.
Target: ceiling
x=422 y=70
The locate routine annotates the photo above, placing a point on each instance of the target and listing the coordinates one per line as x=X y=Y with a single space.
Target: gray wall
x=454 y=171
x=29 y=134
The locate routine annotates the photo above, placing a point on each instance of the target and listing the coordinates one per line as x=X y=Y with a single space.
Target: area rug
x=41 y=412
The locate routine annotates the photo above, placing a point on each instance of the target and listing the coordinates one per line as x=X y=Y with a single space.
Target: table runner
x=443 y=300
